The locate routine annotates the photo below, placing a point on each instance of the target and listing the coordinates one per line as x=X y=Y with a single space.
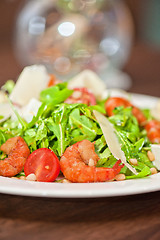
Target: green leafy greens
x=58 y=125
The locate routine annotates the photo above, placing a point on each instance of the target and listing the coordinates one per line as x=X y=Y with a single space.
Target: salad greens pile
x=58 y=125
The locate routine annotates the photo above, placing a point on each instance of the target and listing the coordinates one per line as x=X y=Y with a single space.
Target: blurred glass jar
x=68 y=36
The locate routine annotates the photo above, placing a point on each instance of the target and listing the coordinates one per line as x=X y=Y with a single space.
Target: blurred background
x=117 y=39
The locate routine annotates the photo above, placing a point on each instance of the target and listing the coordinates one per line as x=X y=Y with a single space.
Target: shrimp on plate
x=78 y=164
x=18 y=152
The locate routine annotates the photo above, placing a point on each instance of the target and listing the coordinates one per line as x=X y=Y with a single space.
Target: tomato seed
x=47 y=167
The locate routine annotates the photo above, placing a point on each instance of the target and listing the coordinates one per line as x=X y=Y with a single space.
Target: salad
x=74 y=131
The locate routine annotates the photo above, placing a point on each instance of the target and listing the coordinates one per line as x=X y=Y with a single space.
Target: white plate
x=86 y=190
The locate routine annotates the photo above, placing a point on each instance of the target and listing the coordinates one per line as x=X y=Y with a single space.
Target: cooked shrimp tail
x=117 y=165
x=78 y=164
x=18 y=152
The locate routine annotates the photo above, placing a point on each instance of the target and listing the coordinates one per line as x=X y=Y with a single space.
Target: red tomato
x=44 y=164
x=81 y=95
x=114 y=102
x=153 y=131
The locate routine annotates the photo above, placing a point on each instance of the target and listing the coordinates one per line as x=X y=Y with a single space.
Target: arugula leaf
x=107 y=162
x=97 y=108
x=4 y=135
x=58 y=127
x=147 y=114
x=29 y=137
x=100 y=144
x=138 y=145
x=144 y=171
x=86 y=127
x=9 y=129
x=143 y=158
x=21 y=121
x=36 y=118
x=126 y=146
x=47 y=94
x=55 y=95
x=41 y=131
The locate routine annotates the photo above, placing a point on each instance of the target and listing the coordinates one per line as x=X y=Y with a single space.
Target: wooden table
x=132 y=217
x=128 y=217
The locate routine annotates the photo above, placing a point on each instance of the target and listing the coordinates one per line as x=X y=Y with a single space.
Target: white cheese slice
x=5 y=111
x=30 y=110
x=112 y=139
x=155 y=148
x=3 y=98
x=89 y=80
x=30 y=83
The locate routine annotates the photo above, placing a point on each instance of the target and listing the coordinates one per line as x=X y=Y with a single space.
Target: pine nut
x=133 y=161
x=47 y=167
x=31 y=177
x=153 y=170
x=76 y=94
x=150 y=156
x=120 y=177
x=91 y=162
x=22 y=177
x=65 y=181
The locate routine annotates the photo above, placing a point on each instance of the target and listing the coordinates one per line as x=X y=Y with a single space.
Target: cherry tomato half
x=81 y=95
x=113 y=102
x=44 y=164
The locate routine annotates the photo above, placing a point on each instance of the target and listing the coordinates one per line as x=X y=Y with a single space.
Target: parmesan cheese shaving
x=112 y=140
x=5 y=111
x=156 y=151
x=89 y=80
x=30 y=83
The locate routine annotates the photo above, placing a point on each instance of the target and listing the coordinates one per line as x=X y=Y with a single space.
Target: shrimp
x=78 y=164
x=17 y=151
x=153 y=131
x=81 y=95
x=114 y=102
